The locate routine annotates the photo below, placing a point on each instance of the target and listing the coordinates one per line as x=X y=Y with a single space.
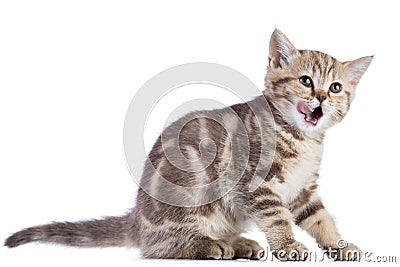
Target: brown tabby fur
x=287 y=194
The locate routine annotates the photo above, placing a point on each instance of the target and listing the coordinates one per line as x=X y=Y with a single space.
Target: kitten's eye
x=306 y=81
x=335 y=88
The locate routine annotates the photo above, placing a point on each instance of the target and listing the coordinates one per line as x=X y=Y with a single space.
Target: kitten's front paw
x=295 y=251
x=348 y=253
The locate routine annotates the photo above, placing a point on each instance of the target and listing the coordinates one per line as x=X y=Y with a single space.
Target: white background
x=68 y=71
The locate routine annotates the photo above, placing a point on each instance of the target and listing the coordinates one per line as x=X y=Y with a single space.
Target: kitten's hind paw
x=212 y=249
x=247 y=249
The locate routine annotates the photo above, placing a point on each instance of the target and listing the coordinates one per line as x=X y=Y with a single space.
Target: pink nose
x=321 y=97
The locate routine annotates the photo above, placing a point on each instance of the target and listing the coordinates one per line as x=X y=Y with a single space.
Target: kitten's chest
x=298 y=172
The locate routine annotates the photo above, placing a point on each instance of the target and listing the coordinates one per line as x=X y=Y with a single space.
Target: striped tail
x=106 y=232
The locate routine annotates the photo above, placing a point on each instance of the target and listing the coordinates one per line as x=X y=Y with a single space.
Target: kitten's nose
x=321 y=97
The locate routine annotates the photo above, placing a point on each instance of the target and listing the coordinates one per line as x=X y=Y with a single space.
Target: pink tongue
x=304 y=108
x=308 y=111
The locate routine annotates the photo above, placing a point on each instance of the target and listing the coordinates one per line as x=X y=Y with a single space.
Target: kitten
x=306 y=92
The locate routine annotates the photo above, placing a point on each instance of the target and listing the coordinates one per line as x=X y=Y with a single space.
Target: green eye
x=335 y=88
x=306 y=81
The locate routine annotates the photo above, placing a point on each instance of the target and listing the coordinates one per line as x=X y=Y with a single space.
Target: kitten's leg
x=310 y=214
x=247 y=249
x=209 y=249
x=178 y=247
x=269 y=213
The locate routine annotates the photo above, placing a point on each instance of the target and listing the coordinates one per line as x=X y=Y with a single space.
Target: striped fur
x=202 y=148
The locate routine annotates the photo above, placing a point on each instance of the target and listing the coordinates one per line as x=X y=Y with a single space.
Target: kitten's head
x=310 y=89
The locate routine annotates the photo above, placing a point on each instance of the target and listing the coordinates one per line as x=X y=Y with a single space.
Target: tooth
x=312 y=120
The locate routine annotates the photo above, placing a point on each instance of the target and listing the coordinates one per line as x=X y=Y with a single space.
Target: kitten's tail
x=106 y=232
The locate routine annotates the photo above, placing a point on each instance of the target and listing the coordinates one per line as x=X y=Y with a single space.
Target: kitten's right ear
x=355 y=69
x=281 y=50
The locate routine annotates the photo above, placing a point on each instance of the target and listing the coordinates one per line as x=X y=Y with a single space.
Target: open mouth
x=311 y=115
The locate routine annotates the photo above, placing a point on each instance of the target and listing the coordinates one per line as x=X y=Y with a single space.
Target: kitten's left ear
x=281 y=50
x=356 y=68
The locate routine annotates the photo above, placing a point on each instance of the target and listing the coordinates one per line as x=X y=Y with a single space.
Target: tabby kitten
x=305 y=93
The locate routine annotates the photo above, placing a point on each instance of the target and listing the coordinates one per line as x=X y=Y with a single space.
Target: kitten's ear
x=356 y=68
x=281 y=50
